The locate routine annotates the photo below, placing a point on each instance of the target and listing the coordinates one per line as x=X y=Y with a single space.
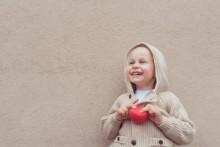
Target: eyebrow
x=139 y=59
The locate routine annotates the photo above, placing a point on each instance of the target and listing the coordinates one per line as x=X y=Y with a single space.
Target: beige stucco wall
x=61 y=65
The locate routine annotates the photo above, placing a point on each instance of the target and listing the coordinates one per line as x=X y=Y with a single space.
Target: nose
x=135 y=66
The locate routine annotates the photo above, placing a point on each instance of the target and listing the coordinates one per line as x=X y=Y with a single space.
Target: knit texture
x=176 y=127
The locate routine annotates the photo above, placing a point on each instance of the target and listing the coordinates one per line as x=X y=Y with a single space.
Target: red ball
x=136 y=116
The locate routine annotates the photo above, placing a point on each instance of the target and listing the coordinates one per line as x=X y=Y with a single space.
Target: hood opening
x=161 y=82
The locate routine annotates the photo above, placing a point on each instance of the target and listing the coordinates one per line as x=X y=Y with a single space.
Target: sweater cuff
x=166 y=124
x=115 y=122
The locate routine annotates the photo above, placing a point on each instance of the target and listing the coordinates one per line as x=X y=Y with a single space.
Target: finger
x=132 y=105
x=135 y=101
x=150 y=112
x=151 y=118
x=129 y=106
x=146 y=108
x=120 y=111
x=126 y=112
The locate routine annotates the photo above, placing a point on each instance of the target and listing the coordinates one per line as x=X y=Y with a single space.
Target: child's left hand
x=154 y=113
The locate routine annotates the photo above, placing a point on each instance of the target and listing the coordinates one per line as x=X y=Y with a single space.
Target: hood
x=161 y=84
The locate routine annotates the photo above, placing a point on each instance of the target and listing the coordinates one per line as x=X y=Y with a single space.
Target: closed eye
x=143 y=61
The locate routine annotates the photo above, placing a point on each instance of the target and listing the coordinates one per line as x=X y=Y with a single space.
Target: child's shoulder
x=123 y=96
x=168 y=96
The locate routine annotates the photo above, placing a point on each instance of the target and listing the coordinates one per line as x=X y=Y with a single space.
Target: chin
x=136 y=82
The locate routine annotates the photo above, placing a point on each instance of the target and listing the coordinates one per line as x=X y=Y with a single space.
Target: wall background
x=61 y=65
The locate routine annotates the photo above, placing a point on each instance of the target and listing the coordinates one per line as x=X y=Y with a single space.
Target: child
x=147 y=84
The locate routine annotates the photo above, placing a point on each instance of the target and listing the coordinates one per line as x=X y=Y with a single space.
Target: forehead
x=140 y=52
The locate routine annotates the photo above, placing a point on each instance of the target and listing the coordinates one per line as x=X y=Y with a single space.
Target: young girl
x=147 y=84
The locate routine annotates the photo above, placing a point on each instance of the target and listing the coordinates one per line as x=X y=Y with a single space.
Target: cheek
x=149 y=69
x=127 y=71
x=153 y=69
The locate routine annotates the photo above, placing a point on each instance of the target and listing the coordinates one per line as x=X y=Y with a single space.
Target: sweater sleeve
x=109 y=126
x=177 y=126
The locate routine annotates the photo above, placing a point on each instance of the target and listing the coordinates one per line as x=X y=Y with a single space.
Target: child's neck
x=144 y=88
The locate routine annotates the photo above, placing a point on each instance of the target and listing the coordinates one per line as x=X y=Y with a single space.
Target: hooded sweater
x=175 y=129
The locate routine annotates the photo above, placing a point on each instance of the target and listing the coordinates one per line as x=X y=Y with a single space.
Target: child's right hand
x=122 y=113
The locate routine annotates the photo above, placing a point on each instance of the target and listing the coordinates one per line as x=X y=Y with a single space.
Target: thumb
x=133 y=103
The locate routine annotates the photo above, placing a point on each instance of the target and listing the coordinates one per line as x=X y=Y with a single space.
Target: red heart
x=136 y=116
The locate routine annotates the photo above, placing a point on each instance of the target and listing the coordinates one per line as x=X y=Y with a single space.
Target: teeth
x=136 y=73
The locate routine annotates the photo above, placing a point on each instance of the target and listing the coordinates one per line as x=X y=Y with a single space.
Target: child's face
x=140 y=68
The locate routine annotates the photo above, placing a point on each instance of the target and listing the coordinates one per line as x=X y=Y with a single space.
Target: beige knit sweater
x=176 y=127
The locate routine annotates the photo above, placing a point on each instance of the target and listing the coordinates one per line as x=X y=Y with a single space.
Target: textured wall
x=61 y=65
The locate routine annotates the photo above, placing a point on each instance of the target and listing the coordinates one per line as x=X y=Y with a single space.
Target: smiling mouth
x=136 y=73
